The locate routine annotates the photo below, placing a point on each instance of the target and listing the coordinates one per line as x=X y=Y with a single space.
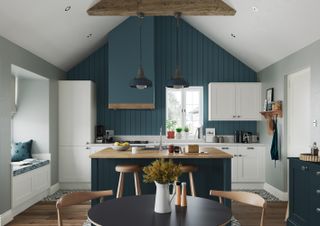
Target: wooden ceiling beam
x=161 y=8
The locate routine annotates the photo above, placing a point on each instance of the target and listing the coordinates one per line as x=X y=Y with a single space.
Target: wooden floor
x=44 y=214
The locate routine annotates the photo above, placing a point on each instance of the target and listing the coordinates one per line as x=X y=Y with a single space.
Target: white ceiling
x=279 y=28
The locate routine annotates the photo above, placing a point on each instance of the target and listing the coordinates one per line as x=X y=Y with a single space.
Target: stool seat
x=188 y=168
x=127 y=168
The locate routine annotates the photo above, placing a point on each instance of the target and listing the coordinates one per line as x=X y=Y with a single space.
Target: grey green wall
x=202 y=62
x=275 y=76
x=32 y=118
x=13 y=54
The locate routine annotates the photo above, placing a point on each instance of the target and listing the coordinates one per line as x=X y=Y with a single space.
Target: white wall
x=32 y=118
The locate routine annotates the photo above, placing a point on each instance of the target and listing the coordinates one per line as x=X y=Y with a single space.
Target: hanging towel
x=274 y=146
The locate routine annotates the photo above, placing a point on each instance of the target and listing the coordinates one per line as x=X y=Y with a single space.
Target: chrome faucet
x=160 y=140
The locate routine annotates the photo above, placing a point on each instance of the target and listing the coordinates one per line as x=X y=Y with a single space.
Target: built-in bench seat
x=27 y=165
x=31 y=181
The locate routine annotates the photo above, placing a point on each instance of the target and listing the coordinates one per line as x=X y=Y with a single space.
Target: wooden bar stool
x=190 y=169
x=122 y=169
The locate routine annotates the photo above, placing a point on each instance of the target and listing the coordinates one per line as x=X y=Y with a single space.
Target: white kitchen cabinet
x=234 y=164
x=247 y=163
x=234 y=101
x=77 y=112
x=74 y=164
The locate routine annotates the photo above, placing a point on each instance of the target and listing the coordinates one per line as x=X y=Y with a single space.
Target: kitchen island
x=214 y=169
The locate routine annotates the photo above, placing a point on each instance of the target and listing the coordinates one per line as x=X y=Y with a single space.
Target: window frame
x=183 y=103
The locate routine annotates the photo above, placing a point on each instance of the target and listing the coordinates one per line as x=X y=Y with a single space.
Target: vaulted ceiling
x=261 y=33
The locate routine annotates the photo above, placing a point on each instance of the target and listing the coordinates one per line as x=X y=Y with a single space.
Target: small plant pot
x=170 y=134
x=178 y=135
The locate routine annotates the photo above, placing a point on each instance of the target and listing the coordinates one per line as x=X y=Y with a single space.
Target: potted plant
x=163 y=174
x=178 y=134
x=186 y=132
x=170 y=124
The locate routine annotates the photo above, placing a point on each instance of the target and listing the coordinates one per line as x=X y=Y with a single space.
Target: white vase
x=163 y=200
x=178 y=135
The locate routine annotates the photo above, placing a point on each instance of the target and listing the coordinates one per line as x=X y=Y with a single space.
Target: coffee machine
x=100 y=134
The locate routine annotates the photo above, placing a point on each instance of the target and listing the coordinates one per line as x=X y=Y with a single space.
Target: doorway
x=298 y=112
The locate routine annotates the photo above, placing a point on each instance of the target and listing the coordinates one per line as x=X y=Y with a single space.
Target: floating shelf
x=270 y=114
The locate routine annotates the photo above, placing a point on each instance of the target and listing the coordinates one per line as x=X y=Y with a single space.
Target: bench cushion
x=27 y=165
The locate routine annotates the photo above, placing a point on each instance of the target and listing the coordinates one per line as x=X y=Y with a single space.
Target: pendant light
x=140 y=82
x=177 y=81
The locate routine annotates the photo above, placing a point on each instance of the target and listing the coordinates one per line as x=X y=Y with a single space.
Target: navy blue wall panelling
x=202 y=61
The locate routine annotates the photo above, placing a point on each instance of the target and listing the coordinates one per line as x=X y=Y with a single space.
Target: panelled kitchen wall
x=202 y=61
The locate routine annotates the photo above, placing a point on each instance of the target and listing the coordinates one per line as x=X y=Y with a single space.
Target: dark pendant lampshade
x=140 y=82
x=177 y=80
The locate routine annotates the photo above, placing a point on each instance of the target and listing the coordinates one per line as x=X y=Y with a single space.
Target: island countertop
x=208 y=153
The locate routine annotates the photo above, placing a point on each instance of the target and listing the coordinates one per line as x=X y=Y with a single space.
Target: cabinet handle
x=225 y=148
x=318 y=192
x=250 y=148
x=238 y=116
x=233 y=116
x=240 y=155
x=235 y=155
x=87 y=148
x=87 y=143
x=304 y=168
x=318 y=210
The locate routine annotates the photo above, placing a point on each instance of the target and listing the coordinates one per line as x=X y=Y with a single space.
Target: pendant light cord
x=178 y=15
x=140 y=15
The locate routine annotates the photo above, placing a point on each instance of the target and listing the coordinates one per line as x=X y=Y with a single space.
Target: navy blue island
x=214 y=169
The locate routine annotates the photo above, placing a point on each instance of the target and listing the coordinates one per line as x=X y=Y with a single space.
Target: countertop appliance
x=210 y=134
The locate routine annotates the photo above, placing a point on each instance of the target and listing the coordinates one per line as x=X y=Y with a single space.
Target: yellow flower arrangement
x=161 y=171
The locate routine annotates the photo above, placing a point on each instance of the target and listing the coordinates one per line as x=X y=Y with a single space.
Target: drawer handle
x=318 y=210
x=304 y=168
x=225 y=148
x=235 y=155
x=240 y=155
x=250 y=148
x=318 y=192
x=87 y=148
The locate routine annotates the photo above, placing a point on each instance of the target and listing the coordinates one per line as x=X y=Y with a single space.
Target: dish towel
x=274 y=146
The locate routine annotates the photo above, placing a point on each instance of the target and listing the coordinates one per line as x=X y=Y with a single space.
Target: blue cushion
x=21 y=151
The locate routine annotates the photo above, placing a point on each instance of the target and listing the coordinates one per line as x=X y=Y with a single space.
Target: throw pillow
x=21 y=151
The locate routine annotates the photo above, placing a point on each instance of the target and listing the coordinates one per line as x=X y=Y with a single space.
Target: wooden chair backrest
x=77 y=198
x=243 y=197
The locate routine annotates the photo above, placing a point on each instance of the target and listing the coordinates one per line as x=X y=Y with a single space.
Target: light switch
x=315 y=123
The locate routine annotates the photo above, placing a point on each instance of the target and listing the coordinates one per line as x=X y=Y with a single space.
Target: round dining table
x=139 y=211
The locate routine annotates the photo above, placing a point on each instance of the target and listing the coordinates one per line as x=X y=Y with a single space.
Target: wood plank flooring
x=44 y=214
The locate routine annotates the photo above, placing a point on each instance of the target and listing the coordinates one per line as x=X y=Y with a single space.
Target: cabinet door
x=251 y=164
x=76 y=112
x=74 y=164
x=314 y=195
x=234 y=162
x=299 y=201
x=248 y=101
x=222 y=101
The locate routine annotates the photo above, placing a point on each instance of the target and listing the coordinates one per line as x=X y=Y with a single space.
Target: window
x=185 y=106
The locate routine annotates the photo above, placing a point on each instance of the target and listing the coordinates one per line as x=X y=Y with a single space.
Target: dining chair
x=77 y=198
x=242 y=197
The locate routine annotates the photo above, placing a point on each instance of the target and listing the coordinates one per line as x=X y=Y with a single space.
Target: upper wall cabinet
x=123 y=44
x=234 y=101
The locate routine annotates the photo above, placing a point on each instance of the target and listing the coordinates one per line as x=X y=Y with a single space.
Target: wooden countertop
x=109 y=153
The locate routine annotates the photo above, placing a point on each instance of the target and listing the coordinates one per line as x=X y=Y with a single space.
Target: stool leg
x=120 y=185
x=193 y=190
x=137 y=183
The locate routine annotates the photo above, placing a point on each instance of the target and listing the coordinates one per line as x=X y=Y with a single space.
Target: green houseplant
x=162 y=173
x=170 y=125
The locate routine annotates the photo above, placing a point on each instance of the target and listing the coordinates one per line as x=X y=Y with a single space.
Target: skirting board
x=283 y=196
x=239 y=186
x=6 y=217
x=75 y=186
x=54 y=188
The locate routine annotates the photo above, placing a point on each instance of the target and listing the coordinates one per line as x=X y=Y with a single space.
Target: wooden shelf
x=270 y=114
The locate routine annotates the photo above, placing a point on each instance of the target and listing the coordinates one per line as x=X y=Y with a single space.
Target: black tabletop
x=139 y=211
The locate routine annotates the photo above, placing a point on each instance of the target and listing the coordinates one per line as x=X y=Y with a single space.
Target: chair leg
x=287 y=213
x=120 y=185
x=137 y=183
x=193 y=190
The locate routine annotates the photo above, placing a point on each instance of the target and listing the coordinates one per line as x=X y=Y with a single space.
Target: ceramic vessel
x=163 y=200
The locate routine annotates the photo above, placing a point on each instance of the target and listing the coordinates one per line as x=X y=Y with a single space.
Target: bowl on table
x=120 y=148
